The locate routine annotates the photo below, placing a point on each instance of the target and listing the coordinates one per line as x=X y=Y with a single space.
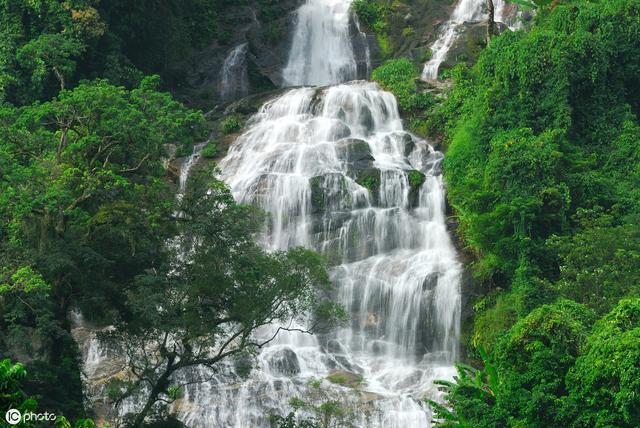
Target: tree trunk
x=491 y=22
x=157 y=389
x=60 y=77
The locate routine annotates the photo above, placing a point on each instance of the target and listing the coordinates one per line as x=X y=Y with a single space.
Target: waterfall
x=187 y=165
x=465 y=11
x=338 y=173
x=233 y=76
x=321 y=52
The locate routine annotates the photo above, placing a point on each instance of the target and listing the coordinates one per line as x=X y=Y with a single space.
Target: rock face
x=256 y=52
x=257 y=46
x=467 y=47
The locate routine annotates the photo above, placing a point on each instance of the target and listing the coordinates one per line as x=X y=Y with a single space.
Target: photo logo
x=13 y=416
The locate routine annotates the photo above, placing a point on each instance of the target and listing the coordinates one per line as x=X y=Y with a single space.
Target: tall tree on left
x=85 y=208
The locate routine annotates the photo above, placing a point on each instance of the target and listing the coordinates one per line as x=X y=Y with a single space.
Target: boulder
x=284 y=362
x=355 y=153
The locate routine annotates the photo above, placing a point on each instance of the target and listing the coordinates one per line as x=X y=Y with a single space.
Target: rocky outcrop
x=469 y=44
x=265 y=29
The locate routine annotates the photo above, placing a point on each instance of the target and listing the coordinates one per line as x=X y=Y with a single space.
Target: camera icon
x=13 y=416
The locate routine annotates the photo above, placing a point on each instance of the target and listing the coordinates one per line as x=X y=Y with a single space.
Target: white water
x=395 y=269
x=392 y=262
x=321 y=53
x=186 y=166
x=465 y=11
x=234 y=81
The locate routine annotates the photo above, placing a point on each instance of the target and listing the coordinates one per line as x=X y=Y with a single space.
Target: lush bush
x=210 y=151
x=543 y=173
x=533 y=359
x=231 y=124
x=371 y=13
x=604 y=384
x=400 y=77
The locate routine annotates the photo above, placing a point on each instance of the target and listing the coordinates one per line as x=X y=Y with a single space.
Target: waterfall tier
x=337 y=173
x=465 y=11
x=322 y=51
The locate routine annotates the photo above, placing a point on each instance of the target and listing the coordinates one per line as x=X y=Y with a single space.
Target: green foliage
x=471 y=397
x=533 y=359
x=216 y=297
x=604 y=384
x=416 y=178
x=11 y=394
x=210 y=151
x=399 y=77
x=325 y=412
x=542 y=170
x=372 y=13
x=87 y=209
x=522 y=130
x=600 y=264
x=231 y=124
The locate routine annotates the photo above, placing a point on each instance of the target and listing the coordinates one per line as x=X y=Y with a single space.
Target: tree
x=523 y=382
x=604 y=384
x=212 y=299
x=600 y=264
x=87 y=205
x=491 y=20
x=50 y=52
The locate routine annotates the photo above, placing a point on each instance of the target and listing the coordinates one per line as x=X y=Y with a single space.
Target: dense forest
x=541 y=135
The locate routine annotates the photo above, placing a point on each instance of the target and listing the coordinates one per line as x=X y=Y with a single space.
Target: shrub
x=231 y=124
x=210 y=151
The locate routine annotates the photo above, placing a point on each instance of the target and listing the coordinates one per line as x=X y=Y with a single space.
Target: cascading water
x=233 y=76
x=338 y=173
x=465 y=11
x=321 y=52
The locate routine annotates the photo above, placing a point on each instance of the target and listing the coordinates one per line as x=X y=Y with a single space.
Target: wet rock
x=379 y=347
x=329 y=193
x=467 y=47
x=430 y=282
x=335 y=347
x=355 y=153
x=284 y=362
x=416 y=180
x=409 y=144
x=347 y=364
x=338 y=132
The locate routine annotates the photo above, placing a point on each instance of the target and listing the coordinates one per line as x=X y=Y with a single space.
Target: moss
x=369 y=181
x=416 y=179
x=385 y=45
x=347 y=379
